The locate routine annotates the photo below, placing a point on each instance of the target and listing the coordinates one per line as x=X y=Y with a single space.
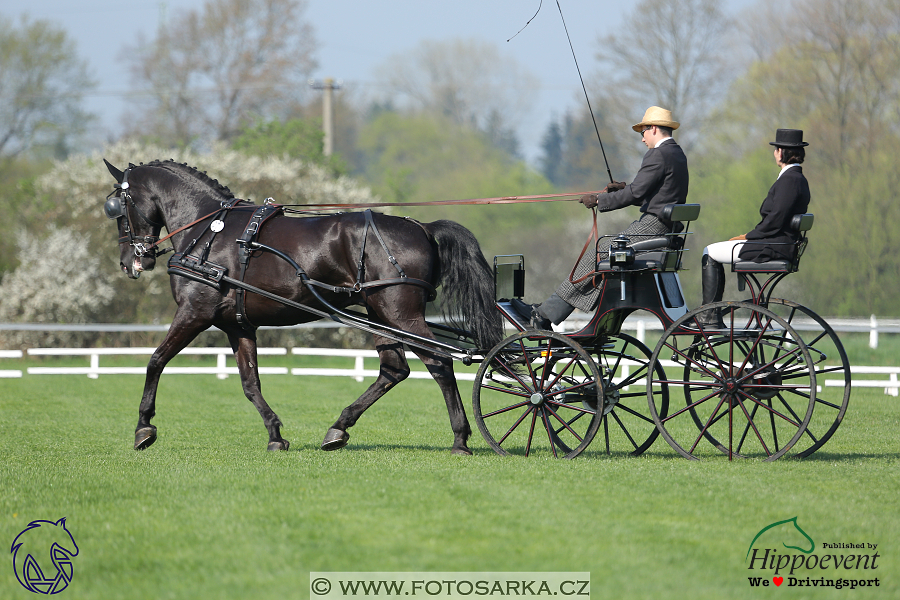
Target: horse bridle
x=116 y=207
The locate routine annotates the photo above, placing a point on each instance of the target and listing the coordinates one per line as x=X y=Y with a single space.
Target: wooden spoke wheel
x=749 y=388
x=832 y=373
x=538 y=392
x=626 y=423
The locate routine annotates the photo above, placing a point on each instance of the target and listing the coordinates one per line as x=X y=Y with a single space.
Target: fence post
x=358 y=367
x=892 y=391
x=220 y=366
x=641 y=328
x=873 y=332
x=95 y=366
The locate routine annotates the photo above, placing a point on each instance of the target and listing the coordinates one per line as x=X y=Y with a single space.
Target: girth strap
x=251 y=231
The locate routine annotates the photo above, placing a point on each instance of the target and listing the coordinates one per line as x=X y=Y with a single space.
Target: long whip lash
x=529 y=21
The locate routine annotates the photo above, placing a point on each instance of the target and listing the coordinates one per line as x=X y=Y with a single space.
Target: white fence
x=357 y=371
x=9 y=373
x=95 y=370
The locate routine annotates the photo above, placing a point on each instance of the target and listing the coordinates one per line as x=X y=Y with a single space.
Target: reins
x=568 y=197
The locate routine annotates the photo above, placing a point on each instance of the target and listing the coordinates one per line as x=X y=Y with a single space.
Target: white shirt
x=785 y=168
x=661 y=141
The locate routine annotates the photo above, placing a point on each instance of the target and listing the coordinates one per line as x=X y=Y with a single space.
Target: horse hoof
x=335 y=439
x=461 y=452
x=144 y=437
x=282 y=445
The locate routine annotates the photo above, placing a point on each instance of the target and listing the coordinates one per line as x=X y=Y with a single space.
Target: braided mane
x=186 y=169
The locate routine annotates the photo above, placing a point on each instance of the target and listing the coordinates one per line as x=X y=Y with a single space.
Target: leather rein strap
x=591 y=238
x=569 y=197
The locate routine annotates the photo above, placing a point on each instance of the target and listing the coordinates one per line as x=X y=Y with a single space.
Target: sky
x=356 y=36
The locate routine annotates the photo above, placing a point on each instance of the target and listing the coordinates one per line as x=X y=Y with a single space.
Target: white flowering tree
x=69 y=271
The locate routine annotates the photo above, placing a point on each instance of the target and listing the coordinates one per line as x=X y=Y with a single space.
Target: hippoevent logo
x=771 y=558
x=42 y=556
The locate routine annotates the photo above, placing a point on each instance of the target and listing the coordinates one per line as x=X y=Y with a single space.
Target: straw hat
x=656 y=116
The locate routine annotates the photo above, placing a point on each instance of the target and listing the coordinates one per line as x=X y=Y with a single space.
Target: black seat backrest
x=681 y=212
x=802 y=222
x=663 y=253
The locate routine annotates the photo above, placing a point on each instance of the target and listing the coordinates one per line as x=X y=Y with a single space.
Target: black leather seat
x=662 y=253
x=801 y=224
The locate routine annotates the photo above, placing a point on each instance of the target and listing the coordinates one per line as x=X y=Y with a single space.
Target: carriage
x=753 y=388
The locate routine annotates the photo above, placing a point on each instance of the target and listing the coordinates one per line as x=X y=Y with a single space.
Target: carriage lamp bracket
x=621 y=256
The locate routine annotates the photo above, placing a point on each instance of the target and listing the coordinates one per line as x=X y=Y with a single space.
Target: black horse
x=205 y=221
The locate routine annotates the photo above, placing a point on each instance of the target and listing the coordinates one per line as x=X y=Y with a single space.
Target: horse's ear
x=119 y=175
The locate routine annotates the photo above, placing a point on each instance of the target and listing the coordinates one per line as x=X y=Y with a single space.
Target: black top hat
x=789 y=138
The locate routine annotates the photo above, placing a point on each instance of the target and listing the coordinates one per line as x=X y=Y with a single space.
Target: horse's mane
x=193 y=173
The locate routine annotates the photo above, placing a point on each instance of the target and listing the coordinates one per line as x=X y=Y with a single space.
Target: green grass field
x=208 y=513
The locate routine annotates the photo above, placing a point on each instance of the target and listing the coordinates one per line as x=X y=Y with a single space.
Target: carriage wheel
x=538 y=392
x=832 y=373
x=749 y=389
x=626 y=421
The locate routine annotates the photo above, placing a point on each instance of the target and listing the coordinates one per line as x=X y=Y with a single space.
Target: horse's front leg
x=394 y=369
x=244 y=345
x=182 y=331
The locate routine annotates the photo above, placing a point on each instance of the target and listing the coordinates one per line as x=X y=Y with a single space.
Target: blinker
x=114 y=208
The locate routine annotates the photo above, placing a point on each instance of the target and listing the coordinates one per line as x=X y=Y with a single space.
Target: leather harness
x=198 y=268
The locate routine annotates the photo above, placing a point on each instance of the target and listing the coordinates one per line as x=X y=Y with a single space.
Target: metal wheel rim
x=749 y=380
x=547 y=364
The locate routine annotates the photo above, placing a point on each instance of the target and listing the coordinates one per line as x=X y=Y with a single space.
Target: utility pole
x=329 y=85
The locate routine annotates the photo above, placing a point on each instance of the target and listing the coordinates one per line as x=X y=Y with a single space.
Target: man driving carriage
x=661 y=180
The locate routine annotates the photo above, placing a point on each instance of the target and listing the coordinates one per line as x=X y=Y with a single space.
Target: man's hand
x=737 y=238
x=614 y=186
x=589 y=200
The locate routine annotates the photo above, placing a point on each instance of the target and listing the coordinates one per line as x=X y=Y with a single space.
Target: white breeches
x=724 y=252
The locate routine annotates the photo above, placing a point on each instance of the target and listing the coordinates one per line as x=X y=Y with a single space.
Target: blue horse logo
x=42 y=556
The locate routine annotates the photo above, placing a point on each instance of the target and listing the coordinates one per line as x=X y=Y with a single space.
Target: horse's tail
x=467 y=296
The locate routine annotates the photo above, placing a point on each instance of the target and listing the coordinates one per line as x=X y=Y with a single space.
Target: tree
x=72 y=242
x=834 y=77
x=209 y=75
x=552 y=153
x=572 y=157
x=467 y=81
x=424 y=158
x=675 y=60
x=295 y=138
x=42 y=84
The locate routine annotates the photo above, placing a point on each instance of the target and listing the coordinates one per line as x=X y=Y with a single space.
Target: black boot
x=531 y=318
x=713 y=290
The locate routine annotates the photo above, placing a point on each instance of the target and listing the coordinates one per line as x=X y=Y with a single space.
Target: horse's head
x=138 y=219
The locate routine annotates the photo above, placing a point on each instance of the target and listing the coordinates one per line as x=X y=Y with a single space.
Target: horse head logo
x=786 y=533
x=42 y=556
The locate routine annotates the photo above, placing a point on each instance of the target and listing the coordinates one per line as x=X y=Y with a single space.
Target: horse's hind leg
x=244 y=345
x=183 y=330
x=392 y=371
x=441 y=369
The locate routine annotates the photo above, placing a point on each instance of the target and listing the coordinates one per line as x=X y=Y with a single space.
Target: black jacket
x=772 y=238
x=662 y=179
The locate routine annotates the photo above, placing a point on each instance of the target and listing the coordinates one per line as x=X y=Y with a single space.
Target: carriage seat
x=662 y=253
x=801 y=224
